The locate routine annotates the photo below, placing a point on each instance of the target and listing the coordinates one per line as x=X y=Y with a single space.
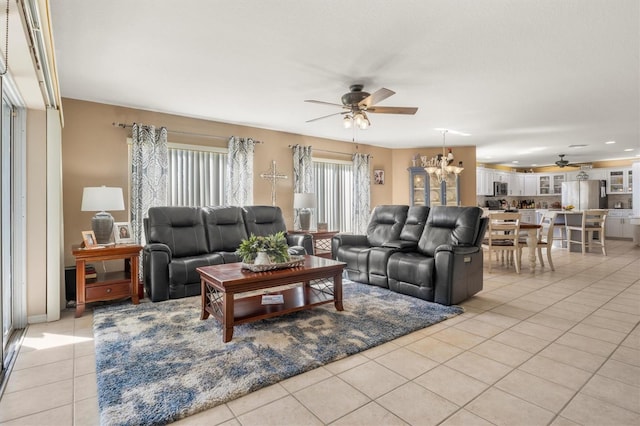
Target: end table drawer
x=108 y=291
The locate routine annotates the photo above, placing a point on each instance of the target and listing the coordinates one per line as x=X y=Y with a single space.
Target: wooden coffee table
x=321 y=278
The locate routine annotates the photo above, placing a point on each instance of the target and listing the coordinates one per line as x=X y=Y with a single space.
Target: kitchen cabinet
x=484 y=182
x=516 y=186
x=530 y=185
x=618 y=224
x=619 y=181
x=428 y=192
x=550 y=184
x=528 y=216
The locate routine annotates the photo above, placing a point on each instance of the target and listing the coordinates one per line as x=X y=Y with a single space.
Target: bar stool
x=592 y=222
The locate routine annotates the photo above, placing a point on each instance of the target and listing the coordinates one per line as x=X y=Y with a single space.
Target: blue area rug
x=158 y=362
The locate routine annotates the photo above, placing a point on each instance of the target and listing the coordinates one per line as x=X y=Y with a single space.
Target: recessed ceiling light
x=534 y=165
x=628 y=150
x=515 y=161
x=610 y=142
x=578 y=146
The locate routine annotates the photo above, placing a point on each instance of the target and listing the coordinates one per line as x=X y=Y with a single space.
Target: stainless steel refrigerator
x=585 y=194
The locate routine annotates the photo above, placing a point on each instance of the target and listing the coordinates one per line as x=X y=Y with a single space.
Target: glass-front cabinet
x=619 y=181
x=550 y=184
x=428 y=192
x=418 y=182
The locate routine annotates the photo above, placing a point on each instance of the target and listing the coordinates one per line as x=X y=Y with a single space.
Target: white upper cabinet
x=619 y=181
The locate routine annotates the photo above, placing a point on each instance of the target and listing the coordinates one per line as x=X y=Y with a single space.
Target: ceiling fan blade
x=375 y=97
x=326 y=116
x=323 y=103
x=393 y=110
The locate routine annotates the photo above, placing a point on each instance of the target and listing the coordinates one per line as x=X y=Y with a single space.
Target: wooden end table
x=108 y=285
x=322 y=280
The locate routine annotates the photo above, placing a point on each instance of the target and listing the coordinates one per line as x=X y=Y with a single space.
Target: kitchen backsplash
x=547 y=202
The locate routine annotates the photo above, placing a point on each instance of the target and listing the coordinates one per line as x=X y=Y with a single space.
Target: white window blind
x=196 y=176
x=333 y=182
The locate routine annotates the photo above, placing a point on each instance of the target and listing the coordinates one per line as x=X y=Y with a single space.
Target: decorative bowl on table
x=568 y=208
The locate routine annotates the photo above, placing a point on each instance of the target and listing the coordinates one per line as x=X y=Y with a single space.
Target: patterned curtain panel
x=149 y=174
x=361 y=192
x=302 y=174
x=239 y=182
x=302 y=169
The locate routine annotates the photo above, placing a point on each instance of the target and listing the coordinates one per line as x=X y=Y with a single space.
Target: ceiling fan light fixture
x=347 y=121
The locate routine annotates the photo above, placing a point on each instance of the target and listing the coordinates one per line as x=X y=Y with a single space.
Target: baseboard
x=37 y=319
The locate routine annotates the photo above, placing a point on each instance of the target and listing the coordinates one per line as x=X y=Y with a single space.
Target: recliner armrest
x=339 y=240
x=401 y=245
x=156 y=258
x=303 y=240
x=457 y=249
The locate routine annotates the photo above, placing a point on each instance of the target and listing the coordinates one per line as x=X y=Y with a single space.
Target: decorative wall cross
x=273 y=176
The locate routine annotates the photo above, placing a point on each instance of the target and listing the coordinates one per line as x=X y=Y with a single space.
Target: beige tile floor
x=553 y=348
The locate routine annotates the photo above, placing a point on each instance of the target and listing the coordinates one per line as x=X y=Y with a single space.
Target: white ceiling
x=527 y=79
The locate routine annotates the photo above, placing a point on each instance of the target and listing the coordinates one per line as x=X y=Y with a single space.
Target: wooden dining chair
x=544 y=236
x=592 y=222
x=502 y=237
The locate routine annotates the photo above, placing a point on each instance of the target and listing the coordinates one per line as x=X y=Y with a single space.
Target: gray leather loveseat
x=181 y=239
x=433 y=254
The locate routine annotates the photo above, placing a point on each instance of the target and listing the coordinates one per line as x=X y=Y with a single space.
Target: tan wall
x=94 y=153
x=36 y=216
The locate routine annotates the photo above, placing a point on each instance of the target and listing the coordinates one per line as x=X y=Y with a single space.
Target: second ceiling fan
x=357 y=103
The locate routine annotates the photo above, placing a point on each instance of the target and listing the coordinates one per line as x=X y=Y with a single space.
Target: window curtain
x=149 y=174
x=239 y=182
x=302 y=174
x=361 y=192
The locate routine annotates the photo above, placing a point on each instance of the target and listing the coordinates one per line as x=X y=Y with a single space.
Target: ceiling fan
x=357 y=103
x=564 y=163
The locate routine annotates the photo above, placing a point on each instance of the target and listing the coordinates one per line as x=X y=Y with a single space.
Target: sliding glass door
x=6 y=238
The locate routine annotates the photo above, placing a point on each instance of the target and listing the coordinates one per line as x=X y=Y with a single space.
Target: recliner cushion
x=180 y=228
x=264 y=220
x=386 y=224
x=183 y=270
x=225 y=228
x=412 y=274
x=450 y=225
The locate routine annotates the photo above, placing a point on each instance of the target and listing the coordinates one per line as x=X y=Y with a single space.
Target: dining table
x=532 y=242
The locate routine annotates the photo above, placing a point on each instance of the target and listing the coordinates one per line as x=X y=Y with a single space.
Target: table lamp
x=303 y=202
x=99 y=199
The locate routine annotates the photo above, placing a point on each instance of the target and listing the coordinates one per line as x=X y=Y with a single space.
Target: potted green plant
x=274 y=246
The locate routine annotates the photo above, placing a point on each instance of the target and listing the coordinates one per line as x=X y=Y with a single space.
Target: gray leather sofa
x=433 y=254
x=181 y=239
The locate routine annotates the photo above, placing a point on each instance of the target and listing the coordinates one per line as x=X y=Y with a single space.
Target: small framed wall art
x=122 y=233
x=378 y=177
x=89 y=239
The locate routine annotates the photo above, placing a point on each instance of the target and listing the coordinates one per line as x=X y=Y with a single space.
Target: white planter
x=262 y=259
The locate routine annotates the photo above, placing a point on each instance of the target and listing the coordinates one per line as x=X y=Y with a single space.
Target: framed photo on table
x=89 y=239
x=122 y=233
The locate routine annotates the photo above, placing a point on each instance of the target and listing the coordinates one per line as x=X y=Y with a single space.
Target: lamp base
x=304 y=216
x=102 y=225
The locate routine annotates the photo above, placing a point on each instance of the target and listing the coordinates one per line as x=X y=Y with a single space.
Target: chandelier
x=441 y=166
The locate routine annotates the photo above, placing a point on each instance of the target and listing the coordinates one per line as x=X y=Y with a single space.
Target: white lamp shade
x=102 y=198
x=304 y=200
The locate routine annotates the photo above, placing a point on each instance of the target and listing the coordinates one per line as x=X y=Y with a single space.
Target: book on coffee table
x=272 y=299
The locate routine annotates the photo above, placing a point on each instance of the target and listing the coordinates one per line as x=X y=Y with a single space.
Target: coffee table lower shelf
x=248 y=309
x=318 y=281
